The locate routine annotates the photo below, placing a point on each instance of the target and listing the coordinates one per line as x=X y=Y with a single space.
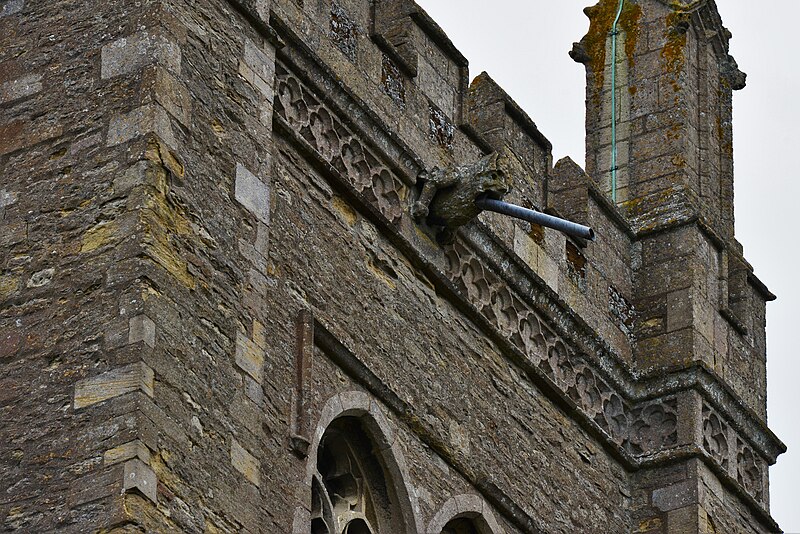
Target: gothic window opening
x=461 y=525
x=351 y=491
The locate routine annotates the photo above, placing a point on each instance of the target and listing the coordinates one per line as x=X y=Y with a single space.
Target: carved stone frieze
x=750 y=470
x=526 y=329
x=337 y=144
x=654 y=426
x=715 y=436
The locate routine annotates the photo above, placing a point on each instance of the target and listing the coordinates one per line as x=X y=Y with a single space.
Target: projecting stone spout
x=448 y=196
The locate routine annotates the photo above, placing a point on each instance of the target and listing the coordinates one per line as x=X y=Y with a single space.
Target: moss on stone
x=8 y=285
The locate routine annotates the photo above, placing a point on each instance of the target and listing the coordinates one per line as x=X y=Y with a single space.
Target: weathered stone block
x=252 y=193
x=172 y=94
x=20 y=88
x=11 y=7
x=258 y=68
x=131 y=53
x=20 y=134
x=250 y=357
x=41 y=278
x=150 y=118
x=245 y=463
x=134 y=377
x=138 y=475
x=675 y=496
x=142 y=328
x=95 y=486
x=127 y=451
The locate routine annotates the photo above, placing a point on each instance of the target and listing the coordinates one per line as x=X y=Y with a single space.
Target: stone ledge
x=139 y=476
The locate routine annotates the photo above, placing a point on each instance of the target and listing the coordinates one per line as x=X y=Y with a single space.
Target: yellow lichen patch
x=211 y=528
x=673 y=51
x=8 y=285
x=163 y=223
x=158 y=247
x=653 y=323
x=424 y=237
x=66 y=212
x=169 y=216
x=14 y=513
x=217 y=128
x=381 y=274
x=98 y=236
x=629 y=22
x=158 y=462
x=150 y=292
x=343 y=208
x=273 y=270
x=537 y=233
x=601 y=19
x=148 y=516
x=649 y=525
x=158 y=152
x=678 y=160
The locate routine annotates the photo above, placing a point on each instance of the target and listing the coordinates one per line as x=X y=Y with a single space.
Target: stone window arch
x=350 y=490
x=356 y=474
x=464 y=514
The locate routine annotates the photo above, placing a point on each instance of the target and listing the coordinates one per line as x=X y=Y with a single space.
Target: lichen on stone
x=601 y=19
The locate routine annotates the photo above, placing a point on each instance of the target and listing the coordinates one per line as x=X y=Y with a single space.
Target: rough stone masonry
x=217 y=313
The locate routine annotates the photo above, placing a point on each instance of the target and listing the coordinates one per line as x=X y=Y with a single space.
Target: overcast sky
x=523 y=45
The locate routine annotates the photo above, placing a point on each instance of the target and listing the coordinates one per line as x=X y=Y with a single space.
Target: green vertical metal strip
x=614 y=34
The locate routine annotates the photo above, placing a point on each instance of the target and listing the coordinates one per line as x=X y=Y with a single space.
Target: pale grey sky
x=523 y=45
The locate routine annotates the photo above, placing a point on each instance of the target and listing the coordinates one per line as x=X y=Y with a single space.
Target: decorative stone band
x=339 y=145
x=636 y=419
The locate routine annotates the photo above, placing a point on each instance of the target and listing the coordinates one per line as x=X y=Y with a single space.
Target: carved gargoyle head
x=448 y=195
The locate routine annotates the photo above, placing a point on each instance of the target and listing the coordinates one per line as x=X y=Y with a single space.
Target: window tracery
x=350 y=491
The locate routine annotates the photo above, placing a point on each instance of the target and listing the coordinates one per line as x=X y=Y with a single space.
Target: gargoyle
x=448 y=195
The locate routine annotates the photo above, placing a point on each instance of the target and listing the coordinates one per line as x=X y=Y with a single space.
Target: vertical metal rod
x=614 y=34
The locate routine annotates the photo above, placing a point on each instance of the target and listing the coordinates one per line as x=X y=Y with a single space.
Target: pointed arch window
x=351 y=490
x=461 y=525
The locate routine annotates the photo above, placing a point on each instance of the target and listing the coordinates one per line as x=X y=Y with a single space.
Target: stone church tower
x=218 y=314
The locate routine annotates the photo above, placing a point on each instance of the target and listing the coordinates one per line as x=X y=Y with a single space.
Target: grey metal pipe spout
x=536 y=217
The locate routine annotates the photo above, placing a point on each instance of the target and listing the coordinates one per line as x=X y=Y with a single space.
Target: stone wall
x=208 y=264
